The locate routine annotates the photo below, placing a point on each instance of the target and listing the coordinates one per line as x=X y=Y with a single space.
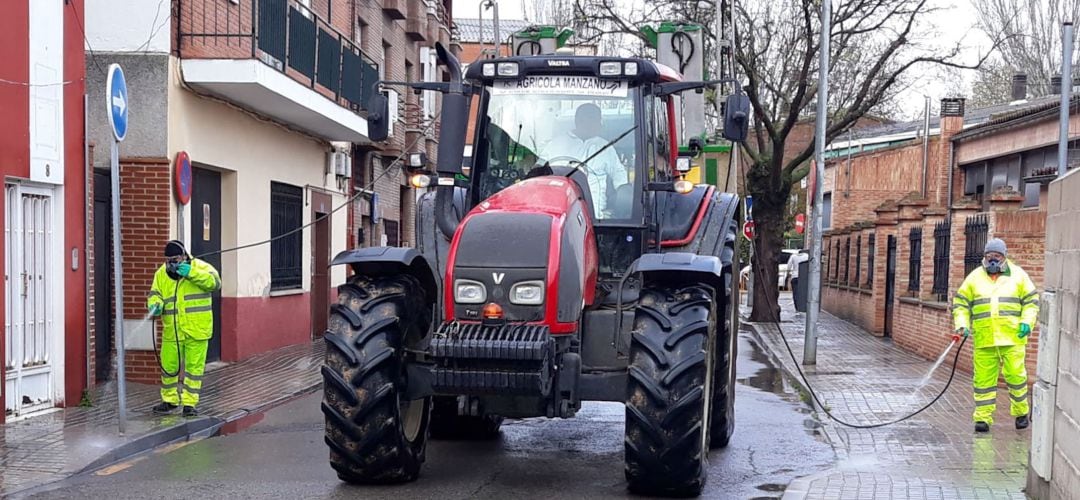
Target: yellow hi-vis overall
x=190 y=309
x=994 y=309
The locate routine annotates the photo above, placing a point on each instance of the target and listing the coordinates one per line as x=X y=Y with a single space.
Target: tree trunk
x=769 y=222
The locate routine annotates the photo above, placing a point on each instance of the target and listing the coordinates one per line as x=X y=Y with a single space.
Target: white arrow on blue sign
x=116 y=101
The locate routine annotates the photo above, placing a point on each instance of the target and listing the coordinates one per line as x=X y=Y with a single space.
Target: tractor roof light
x=682 y=164
x=420 y=181
x=416 y=161
x=489 y=69
x=508 y=69
x=630 y=69
x=611 y=68
x=683 y=186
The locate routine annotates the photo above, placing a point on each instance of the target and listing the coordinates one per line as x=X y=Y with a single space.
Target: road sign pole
x=116 y=106
x=118 y=277
x=813 y=306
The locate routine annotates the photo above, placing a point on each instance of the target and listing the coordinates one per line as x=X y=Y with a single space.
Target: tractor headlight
x=489 y=69
x=508 y=69
x=610 y=68
x=527 y=293
x=469 y=292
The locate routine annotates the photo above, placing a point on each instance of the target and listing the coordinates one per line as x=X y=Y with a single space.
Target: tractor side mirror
x=736 y=117
x=378 y=108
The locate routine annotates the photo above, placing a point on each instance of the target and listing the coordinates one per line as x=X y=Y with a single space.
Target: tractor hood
x=535 y=233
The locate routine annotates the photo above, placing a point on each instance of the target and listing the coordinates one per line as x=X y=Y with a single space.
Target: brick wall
x=144 y=219
x=1063 y=277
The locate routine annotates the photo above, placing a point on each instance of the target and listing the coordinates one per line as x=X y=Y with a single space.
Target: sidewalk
x=47 y=448
x=865 y=379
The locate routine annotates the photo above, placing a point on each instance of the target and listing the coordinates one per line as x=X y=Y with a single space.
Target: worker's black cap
x=175 y=248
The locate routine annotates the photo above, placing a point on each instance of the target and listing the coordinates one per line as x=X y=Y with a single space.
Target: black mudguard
x=390 y=261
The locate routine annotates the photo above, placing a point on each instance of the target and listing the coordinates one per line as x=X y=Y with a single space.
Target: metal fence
x=858 y=260
x=871 y=248
x=976 y=229
x=282 y=34
x=915 y=259
x=847 y=259
x=942 y=241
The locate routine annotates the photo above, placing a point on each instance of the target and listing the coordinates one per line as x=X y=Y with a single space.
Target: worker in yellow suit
x=998 y=304
x=182 y=296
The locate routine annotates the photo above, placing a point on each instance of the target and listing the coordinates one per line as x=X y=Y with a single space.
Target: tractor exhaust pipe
x=455 y=119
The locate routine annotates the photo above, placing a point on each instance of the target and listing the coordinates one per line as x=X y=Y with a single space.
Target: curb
x=196 y=428
x=799 y=488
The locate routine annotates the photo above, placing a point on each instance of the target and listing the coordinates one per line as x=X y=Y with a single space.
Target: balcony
x=279 y=59
x=395 y=9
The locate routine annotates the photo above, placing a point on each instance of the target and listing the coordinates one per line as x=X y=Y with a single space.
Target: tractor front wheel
x=375 y=434
x=668 y=393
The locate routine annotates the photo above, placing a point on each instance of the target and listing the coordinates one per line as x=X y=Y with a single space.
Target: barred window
x=871 y=248
x=847 y=258
x=286 y=217
x=858 y=259
x=942 y=240
x=915 y=261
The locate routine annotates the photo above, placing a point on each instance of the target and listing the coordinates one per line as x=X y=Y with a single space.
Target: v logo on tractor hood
x=498 y=277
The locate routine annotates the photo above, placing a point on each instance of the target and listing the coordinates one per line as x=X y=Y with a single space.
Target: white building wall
x=129 y=25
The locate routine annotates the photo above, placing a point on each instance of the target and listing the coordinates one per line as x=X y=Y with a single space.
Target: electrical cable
x=825 y=409
x=395 y=165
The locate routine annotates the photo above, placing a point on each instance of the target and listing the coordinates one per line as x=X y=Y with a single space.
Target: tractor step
x=507 y=359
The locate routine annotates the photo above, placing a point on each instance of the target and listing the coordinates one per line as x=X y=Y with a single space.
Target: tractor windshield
x=564 y=121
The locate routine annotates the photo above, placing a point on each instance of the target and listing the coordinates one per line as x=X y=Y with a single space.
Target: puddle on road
x=771 y=379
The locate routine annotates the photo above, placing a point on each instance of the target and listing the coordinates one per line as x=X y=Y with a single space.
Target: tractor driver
x=605 y=171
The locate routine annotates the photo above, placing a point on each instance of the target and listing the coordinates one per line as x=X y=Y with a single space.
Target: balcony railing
x=284 y=35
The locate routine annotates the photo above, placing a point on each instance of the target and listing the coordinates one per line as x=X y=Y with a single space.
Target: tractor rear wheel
x=374 y=433
x=668 y=392
x=447 y=424
x=722 y=409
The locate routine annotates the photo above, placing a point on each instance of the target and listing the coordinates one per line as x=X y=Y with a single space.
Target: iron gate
x=975 y=230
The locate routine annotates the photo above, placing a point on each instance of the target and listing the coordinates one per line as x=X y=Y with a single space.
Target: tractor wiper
x=601 y=150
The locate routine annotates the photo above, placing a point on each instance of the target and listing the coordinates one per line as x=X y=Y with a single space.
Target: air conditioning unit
x=339 y=163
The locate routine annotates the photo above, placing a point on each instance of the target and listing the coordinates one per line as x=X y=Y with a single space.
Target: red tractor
x=572 y=264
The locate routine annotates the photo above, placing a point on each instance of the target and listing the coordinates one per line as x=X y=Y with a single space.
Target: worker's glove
x=184 y=269
x=1025 y=330
x=155 y=310
x=961 y=332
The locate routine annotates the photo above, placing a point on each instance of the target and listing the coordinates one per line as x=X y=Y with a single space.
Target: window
x=915 y=260
x=385 y=57
x=286 y=217
x=942 y=240
x=858 y=260
x=392 y=231
x=663 y=137
x=871 y=248
x=847 y=259
x=826 y=211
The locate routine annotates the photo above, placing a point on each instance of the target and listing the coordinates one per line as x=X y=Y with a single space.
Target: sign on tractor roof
x=561 y=85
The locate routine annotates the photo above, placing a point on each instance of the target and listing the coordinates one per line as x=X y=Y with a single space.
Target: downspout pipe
x=925 y=145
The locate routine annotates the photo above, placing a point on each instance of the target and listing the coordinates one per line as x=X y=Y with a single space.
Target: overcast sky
x=954 y=24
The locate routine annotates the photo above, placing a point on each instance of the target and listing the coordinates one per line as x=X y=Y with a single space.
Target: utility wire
x=394 y=166
x=776 y=321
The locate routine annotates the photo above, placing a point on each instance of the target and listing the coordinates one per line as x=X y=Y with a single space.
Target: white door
x=30 y=335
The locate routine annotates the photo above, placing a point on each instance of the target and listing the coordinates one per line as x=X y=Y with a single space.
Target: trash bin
x=800 y=286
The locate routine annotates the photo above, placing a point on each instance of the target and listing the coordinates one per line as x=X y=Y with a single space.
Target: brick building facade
x=895 y=254
x=268 y=100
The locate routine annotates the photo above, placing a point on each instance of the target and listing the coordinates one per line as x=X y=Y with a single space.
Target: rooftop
x=470 y=29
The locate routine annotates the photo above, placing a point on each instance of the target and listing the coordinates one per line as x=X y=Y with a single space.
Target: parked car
x=783 y=280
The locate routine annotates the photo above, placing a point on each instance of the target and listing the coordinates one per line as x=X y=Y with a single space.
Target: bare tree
x=1030 y=34
x=875 y=46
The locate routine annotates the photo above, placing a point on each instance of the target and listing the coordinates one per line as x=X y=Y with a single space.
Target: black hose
x=825 y=409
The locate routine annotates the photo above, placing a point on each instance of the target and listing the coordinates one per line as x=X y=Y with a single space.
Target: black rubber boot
x=982 y=427
x=163 y=408
x=190 y=411
x=1022 y=422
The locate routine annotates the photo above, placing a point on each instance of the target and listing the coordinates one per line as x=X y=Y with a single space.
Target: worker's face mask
x=171 y=265
x=993 y=266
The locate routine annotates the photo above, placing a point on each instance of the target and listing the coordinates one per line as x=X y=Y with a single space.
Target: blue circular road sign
x=116 y=95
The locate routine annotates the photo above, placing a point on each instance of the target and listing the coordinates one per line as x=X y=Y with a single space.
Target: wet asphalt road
x=281 y=454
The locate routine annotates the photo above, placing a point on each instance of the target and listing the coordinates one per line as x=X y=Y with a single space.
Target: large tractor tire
x=375 y=435
x=668 y=392
x=722 y=409
x=447 y=424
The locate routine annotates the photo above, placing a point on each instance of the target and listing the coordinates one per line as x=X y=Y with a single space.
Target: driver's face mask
x=993 y=266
